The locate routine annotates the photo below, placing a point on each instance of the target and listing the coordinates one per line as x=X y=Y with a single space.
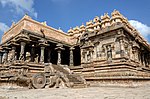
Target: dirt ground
x=78 y=93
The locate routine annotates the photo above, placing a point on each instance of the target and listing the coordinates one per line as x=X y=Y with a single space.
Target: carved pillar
x=59 y=48
x=143 y=59
x=109 y=53
x=22 y=51
x=91 y=50
x=130 y=51
x=83 y=60
x=59 y=57
x=5 y=56
x=121 y=47
x=146 y=59
x=43 y=44
x=13 y=53
x=42 y=54
x=113 y=51
x=121 y=41
x=23 y=38
x=71 y=56
x=139 y=55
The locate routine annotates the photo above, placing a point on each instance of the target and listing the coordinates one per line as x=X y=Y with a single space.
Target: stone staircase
x=77 y=80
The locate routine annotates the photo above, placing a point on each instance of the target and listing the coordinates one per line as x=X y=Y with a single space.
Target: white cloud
x=20 y=6
x=142 y=28
x=3 y=27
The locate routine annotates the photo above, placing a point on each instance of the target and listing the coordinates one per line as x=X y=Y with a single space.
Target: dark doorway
x=65 y=54
x=54 y=54
x=77 y=56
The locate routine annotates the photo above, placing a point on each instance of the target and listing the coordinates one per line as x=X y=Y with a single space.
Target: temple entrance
x=54 y=55
x=65 y=56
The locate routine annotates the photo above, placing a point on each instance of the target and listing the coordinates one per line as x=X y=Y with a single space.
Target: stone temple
x=107 y=49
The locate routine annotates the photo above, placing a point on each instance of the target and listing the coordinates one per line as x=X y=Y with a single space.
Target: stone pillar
x=71 y=56
x=143 y=59
x=82 y=56
x=5 y=57
x=13 y=53
x=1 y=54
x=91 y=54
x=113 y=51
x=42 y=54
x=121 y=48
x=146 y=60
x=139 y=55
x=43 y=43
x=130 y=52
x=59 y=57
x=109 y=53
x=59 y=48
x=22 y=51
x=49 y=56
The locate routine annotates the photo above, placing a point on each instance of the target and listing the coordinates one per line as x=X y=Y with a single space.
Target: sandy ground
x=78 y=93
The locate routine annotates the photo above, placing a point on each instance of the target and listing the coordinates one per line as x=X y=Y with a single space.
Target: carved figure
x=36 y=59
x=109 y=53
x=28 y=57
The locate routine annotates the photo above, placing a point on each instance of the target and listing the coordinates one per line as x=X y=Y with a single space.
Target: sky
x=71 y=13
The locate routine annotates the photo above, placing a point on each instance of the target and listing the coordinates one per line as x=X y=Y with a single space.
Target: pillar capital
x=23 y=43
x=42 y=47
x=13 y=43
x=71 y=48
x=23 y=36
x=43 y=42
x=5 y=47
x=59 y=47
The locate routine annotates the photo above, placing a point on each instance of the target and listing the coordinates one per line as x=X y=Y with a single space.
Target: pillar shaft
x=13 y=53
x=71 y=57
x=5 y=57
x=22 y=51
x=143 y=59
x=42 y=55
x=121 y=48
x=59 y=57
x=59 y=48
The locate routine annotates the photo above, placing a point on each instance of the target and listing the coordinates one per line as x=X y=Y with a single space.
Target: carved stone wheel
x=39 y=81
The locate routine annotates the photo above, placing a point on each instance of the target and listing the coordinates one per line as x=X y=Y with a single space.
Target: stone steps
x=76 y=79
